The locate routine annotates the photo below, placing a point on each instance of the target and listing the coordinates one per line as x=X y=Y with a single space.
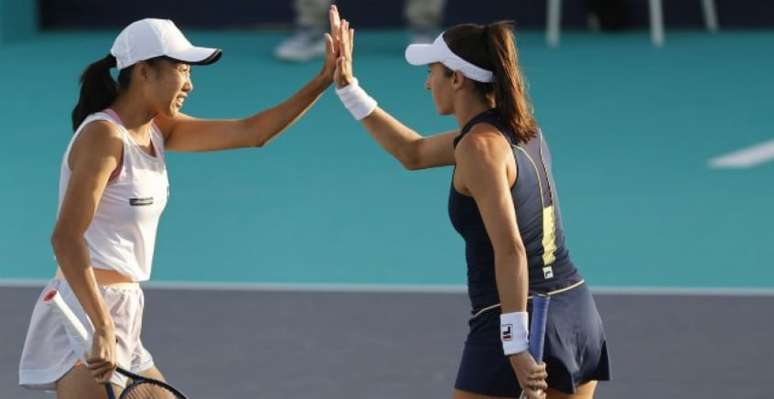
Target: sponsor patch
x=141 y=201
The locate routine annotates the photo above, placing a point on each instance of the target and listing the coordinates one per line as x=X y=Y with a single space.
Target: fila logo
x=507 y=332
x=141 y=201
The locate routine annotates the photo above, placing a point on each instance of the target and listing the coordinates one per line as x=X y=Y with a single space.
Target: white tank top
x=122 y=235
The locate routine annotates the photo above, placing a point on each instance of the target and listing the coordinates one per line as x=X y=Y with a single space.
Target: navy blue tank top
x=537 y=211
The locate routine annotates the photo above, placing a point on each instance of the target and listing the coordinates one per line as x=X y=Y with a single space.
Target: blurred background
x=659 y=115
x=639 y=129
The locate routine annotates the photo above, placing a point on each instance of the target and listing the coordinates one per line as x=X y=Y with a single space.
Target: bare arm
x=185 y=133
x=407 y=146
x=482 y=159
x=94 y=156
x=403 y=143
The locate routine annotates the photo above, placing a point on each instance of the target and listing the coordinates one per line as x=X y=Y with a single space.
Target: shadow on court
x=220 y=344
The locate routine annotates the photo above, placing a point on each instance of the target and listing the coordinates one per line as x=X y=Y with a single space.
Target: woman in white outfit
x=113 y=189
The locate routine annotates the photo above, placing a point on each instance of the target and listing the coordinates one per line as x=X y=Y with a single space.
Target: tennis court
x=322 y=226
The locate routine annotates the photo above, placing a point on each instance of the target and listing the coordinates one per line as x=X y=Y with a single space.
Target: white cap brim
x=196 y=55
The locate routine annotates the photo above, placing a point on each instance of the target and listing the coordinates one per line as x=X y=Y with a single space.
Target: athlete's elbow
x=59 y=242
x=259 y=143
x=410 y=164
x=262 y=140
x=409 y=159
x=251 y=133
x=513 y=252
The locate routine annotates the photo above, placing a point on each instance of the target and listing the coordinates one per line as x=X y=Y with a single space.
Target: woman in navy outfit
x=503 y=202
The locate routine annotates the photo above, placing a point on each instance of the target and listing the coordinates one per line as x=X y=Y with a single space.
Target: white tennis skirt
x=49 y=352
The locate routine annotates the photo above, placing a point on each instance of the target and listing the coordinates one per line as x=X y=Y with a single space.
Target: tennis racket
x=139 y=387
x=537 y=330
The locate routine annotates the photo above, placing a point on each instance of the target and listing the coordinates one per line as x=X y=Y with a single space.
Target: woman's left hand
x=346 y=40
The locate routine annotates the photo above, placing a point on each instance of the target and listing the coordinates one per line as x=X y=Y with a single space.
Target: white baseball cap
x=152 y=37
x=438 y=51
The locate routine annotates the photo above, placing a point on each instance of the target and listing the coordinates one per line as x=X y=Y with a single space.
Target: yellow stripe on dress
x=549 y=236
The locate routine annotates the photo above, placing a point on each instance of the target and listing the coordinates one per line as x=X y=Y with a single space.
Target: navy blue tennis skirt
x=575 y=348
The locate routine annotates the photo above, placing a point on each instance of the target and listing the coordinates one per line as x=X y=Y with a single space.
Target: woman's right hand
x=531 y=375
x=102 y=357
x=331 y=45
x=346 y=39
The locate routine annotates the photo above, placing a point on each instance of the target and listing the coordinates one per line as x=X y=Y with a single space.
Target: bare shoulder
x=484 y=143
x=99 y=132
x=97 y=140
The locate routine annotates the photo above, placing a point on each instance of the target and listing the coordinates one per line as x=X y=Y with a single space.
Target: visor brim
x=197 y=55
x=422 y=54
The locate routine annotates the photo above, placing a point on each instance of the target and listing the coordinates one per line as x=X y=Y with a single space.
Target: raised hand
x=331 y=45
x=343 y=75
x=335 y=21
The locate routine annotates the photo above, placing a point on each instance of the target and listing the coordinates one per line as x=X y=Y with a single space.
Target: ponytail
x=509 y=86
x=492 y=47
x=98 y=90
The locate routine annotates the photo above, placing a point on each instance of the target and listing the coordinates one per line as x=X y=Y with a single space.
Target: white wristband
x=356 y=100
x=513 y=332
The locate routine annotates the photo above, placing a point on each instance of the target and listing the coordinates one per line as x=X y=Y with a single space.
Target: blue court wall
x=18 y=19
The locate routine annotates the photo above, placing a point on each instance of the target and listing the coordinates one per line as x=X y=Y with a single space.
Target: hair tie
x=111 y=61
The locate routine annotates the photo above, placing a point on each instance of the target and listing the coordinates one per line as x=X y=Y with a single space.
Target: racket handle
x=72 y=324
x=537 y=330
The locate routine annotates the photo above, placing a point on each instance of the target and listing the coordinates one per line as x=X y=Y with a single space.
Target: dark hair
x=493 y=47
x=99 y=90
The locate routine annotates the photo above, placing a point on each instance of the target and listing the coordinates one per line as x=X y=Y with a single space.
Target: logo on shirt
x=141 y=201
x=506 y=332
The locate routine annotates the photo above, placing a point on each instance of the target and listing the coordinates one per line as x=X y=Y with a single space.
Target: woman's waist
x=484 y=304
x=481 y=274
x=105 y=277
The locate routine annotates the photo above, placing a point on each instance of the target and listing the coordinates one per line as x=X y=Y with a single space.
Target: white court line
x=413 y=288
x=273 y=287
x=685 y=291
x=746 y=157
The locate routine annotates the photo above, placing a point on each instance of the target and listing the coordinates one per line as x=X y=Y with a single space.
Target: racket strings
x=148 y=390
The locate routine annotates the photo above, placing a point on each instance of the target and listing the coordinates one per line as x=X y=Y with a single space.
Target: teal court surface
x=636 y=134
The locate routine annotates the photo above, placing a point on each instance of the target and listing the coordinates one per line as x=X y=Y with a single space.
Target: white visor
x=150 y=38
x=438 y=51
